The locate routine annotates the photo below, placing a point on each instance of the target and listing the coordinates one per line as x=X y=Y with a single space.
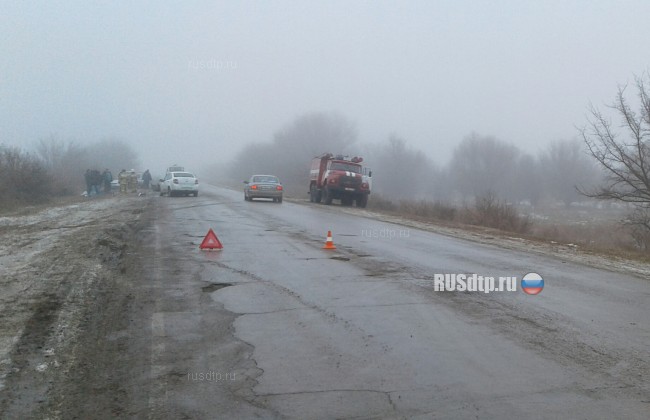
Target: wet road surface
x=273 y=326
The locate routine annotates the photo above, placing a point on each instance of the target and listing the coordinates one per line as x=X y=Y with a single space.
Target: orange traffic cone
x=329 y=244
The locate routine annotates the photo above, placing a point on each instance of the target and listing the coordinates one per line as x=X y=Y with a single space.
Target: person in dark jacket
x=146 y=179
x=108 y=178
x=96 y=179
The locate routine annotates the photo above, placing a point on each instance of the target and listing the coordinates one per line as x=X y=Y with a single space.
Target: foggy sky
x=192 y=82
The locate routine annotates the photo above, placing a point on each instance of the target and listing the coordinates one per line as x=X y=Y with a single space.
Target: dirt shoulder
x=62 y=269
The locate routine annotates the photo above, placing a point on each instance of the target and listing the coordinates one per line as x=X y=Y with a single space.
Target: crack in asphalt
x=386 y=394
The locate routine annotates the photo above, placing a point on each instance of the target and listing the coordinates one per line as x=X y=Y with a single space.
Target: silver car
x=263 y=186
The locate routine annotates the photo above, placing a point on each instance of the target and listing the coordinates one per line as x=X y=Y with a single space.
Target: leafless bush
x=431 y=210
x=379 y=202
x=639 y=227
x=488 y=211
x=24 y=178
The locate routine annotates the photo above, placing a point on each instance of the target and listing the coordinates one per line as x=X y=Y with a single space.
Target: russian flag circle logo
x=532 y=283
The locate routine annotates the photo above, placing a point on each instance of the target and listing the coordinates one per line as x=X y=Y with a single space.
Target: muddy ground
x=67 y=281
x=80 y=291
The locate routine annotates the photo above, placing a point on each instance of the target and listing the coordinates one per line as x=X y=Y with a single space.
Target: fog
x=194 y=83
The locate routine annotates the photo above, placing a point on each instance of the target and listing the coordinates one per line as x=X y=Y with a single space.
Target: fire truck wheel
x=327 y=197
x=314 y=194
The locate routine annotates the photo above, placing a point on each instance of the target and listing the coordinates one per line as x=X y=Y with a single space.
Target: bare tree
x=624 y=154
x=484 y=165
x=114 y=154
x=289 y=154
x=401 y=171
x=65 y=163
x=566 y=168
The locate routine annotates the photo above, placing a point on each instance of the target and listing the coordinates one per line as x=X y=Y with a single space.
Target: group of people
x=95 y=179
x=128 y=181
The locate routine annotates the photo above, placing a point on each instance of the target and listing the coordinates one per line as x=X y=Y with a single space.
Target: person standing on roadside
x=97 y=181
x=122 y=178
x=146 y=179
x=133 y=181
x=108 y=178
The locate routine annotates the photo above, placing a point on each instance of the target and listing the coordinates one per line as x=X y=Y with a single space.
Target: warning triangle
x=211 y=241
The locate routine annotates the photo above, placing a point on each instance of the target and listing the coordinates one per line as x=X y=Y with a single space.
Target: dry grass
x=490 y=212
x=609 y=237
x=598 y=231
x=487 y=212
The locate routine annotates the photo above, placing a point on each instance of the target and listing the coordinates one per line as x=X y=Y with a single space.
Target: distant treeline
x=479 y=166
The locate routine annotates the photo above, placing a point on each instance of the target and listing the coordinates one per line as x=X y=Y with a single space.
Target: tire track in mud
x=71 y=281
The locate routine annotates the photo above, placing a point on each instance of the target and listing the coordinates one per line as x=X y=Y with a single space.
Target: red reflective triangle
x=211 y=241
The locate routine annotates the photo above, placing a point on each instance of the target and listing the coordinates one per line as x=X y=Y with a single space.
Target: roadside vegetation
x=592 y=228
x=53 y=169
x=487 y=211
x=24 y=178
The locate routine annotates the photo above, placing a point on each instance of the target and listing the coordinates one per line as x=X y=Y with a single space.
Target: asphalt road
x=273 y=326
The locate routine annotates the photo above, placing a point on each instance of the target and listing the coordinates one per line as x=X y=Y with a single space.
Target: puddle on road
x=340 y=258
x=212 y=287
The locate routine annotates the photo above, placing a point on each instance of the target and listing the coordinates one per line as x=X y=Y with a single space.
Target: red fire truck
x=338 y=178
